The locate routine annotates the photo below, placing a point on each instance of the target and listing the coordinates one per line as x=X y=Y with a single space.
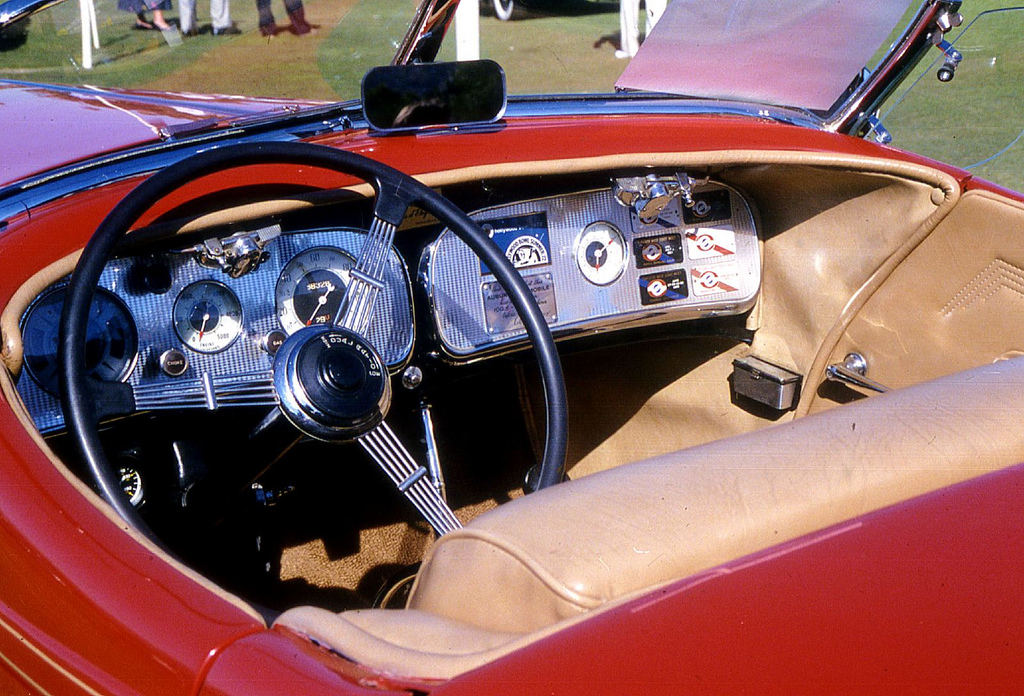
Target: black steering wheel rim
x=395 y=189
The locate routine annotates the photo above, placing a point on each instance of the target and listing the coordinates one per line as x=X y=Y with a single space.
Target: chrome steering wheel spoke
x=367 y=278
x=209 y=392
x=412 y=479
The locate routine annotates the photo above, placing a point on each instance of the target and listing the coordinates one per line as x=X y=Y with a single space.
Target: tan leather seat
x=531 y=566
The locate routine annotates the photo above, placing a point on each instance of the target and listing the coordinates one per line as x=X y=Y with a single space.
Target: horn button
x=331 y=383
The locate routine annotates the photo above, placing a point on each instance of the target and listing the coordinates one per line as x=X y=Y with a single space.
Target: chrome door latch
x=651 y=194
x=853 y=371
x=238 y=254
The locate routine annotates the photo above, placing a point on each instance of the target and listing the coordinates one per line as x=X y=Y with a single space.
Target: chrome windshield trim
x=22 y=196
x=643 y=103
x=426 y=32
x=14 y=10
x=851 y=114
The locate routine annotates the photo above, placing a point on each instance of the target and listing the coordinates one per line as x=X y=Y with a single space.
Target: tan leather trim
x=601 y=537
x=12 y=351
x=816 y=374
x=953 y=303
x=622 y=534
x=17 y=406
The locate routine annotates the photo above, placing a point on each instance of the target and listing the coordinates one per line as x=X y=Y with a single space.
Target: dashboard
x=165 y=323
x=184 y=333
x=595 y=265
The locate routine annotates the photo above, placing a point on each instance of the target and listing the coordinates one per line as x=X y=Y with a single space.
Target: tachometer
x=207 y=316
x=111 y=343
x=311 y=287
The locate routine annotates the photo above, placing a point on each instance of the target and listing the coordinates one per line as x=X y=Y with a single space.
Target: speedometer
x=311 y=288
x=111 y=343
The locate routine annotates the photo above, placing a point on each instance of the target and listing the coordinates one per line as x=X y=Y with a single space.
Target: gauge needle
x=202 y=329
x=598 y=257
x=320 y=302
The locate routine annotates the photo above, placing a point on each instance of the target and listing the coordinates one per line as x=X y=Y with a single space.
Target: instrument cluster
x=187 y=329
x=599 y=260
x=162 y=322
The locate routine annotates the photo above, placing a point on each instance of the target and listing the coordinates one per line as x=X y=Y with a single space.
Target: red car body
x=919 y=597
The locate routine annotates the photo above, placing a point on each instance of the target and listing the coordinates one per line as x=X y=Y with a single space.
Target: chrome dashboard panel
x=391 y=332
x=689 y=263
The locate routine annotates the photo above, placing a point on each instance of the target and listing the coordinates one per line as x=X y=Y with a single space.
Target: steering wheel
x=328 y=380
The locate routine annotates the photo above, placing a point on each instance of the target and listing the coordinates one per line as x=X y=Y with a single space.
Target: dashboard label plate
x=660 y=250
x=501 y=316
x=667 y=286
x=710 y=242
x=524 y=239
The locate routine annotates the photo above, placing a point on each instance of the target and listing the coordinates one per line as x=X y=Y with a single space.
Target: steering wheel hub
x=331 y=382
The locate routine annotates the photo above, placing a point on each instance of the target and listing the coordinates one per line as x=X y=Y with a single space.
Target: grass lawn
x=568 y=51
x=540 y=52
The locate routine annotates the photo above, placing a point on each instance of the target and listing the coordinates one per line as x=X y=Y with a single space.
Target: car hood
x=49 y=126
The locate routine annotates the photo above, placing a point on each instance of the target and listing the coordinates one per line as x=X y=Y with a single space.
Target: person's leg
x=655 y=8
x=159 y=22
x=220 y=15
x=187 y=16
x=297 y=15
x=268 y=27
x=629 y=28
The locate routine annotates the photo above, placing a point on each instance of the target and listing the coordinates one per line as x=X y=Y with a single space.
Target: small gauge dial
x=601 y=253
x=111 y=342
x=131 y=482
x=207 y=316
x=311 y=288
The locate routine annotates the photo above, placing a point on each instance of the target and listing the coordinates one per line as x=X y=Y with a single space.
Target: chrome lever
x=853 y=371
x=433 y=458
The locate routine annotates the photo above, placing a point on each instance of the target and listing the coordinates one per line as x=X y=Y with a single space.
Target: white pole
x=467 y=30
x=87 y=27
x=95 y=25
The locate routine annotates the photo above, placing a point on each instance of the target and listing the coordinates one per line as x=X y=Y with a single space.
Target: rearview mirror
x=401 y=97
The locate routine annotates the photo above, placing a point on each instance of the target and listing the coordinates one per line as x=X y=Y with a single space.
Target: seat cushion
x=554 y=555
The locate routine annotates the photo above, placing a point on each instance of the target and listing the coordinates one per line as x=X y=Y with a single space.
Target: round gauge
x=131 y=482
x=601 y=253
x=311 y=288
x=207 y=316
x=111 y=343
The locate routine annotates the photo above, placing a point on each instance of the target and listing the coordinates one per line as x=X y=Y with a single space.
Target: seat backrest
x=574 y=547
x=520 y=571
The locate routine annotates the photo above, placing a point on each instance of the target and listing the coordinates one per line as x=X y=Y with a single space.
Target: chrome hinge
x=943 y=24
x=878 y=132
x=651 y=194
x=238 y=254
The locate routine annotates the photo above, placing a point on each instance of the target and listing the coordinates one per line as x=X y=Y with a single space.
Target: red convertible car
x=694 y=386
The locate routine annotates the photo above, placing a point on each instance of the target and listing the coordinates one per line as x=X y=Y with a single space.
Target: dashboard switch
x=273 y=341
x=173 y=362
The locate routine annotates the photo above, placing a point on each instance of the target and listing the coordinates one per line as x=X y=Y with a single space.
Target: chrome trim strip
x=14 y=10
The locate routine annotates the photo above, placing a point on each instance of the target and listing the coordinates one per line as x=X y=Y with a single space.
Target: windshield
x=302 y=49
x=320 y=49
x=976 y=120
x=791 y=53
